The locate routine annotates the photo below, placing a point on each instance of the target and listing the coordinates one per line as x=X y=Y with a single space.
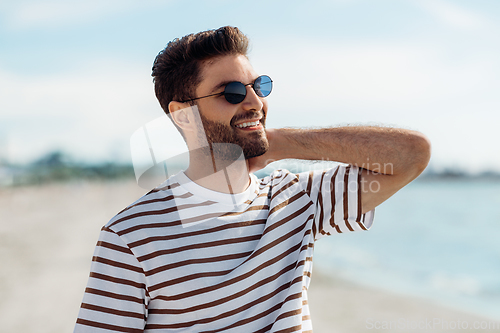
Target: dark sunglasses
x=235 y=92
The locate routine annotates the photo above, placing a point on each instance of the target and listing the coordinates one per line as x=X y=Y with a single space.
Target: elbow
x=420 y=152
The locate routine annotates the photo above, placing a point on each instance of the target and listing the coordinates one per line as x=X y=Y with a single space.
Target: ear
x=182 y=115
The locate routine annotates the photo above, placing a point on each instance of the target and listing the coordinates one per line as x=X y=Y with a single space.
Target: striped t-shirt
x=187 y=259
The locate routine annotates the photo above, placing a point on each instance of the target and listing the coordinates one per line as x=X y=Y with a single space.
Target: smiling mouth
x=248 y=124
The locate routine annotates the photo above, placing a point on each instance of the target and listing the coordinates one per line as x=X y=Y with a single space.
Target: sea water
x=436 y=239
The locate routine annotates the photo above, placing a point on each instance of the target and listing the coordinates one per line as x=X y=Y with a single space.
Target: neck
x=218 y=172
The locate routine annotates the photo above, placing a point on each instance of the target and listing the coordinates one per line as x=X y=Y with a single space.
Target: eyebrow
x=220 y=85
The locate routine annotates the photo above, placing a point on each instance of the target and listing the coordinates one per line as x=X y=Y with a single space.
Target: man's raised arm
x=390 y=158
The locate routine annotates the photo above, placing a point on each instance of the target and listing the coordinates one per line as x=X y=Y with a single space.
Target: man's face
x=241 y=124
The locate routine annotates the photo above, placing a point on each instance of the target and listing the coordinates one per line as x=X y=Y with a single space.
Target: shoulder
x=277 y=177
x=156 y=201
x=280 y=182
x=320 y=179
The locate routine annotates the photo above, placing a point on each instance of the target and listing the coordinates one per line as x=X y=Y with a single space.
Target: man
x=213 y=249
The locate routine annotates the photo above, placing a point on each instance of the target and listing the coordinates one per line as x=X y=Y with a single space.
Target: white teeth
x=249 y=124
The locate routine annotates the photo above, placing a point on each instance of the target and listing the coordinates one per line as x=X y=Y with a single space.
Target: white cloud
x=455 y=16
x=30 y=14
x=87 y=113
x=372 y=75
x=420 y=85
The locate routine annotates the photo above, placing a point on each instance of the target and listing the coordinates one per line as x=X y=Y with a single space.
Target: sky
x=75 y=75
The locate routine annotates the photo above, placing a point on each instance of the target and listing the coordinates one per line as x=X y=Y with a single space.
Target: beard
x=228 y=144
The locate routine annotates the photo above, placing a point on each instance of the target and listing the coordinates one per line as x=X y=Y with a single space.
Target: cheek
x=221 y=112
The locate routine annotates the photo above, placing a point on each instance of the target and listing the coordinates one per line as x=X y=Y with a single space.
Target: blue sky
x=75 y=75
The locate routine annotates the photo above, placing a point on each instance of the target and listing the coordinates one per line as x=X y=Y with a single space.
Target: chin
x=256 y=150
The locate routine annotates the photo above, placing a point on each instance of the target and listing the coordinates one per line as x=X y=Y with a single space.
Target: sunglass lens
x=235 y=92
x=263 y=86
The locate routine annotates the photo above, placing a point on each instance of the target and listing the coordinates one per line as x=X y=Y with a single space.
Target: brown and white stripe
x=186 y=259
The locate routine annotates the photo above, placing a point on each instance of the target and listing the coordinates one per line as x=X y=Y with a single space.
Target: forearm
x=379 y=149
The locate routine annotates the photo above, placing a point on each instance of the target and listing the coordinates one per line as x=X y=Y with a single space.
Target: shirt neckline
x=222 y=198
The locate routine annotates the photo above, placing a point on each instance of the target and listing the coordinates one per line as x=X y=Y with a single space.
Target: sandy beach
x=48 y=234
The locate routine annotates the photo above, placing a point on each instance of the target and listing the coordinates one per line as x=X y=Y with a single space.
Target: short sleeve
x=116 y=296
x=336 y=194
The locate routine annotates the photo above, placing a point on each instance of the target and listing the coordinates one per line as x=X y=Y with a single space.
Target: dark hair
x=176 y=69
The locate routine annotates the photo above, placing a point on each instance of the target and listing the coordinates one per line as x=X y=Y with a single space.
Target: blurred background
x=75 y=85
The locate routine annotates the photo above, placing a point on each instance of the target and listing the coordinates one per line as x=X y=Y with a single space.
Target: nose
x=252 y=101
